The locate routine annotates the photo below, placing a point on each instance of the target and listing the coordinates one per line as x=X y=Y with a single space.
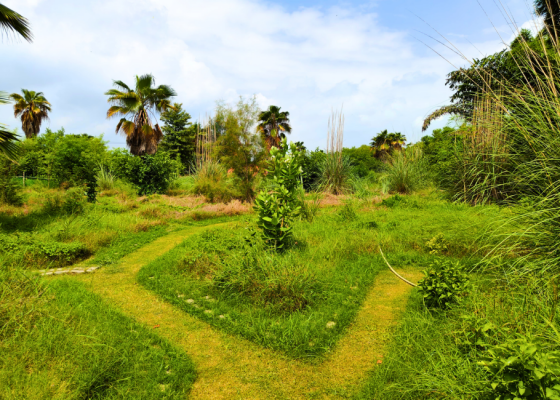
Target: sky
x=376 y=60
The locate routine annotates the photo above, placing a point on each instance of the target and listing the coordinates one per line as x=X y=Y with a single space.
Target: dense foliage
x=148 y=173
x=277 y=205
x=179 y=136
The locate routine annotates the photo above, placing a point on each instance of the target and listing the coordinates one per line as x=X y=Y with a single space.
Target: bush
x=311 y=165
x=521 y=368
x=211 y=181
x=363 y=160
x=443 y=284
x=9 y=190
x=74 y=200
x=149 y=173
x=405 y=171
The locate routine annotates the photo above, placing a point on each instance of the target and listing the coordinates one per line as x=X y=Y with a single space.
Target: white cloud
x=307 y=61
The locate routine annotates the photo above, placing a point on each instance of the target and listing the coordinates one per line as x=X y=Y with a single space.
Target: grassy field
x=188 y=302
x=301 y=301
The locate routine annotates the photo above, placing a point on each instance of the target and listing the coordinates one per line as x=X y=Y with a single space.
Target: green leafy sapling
x=277 y=206
x=444 y=283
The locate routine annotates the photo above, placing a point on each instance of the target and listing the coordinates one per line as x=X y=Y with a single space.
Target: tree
x=528 y=61
x=12 y=22
x=33 y=108
x=273 y=124
x=8 y=139
x=238 y=147
x=385 y=143
x=142 y=137
x=550 y=11
x=179 y=135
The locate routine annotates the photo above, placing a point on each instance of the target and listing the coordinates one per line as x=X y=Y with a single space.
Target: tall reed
x=336 y=169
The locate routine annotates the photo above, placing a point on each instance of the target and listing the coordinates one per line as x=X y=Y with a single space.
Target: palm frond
x=122 y=85
x=144 y=82
x=450 y=109
x=8 y=143
x=12 y=22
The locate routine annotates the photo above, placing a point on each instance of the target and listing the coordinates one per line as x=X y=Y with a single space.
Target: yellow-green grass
x=60 y=341
x=229 y=367
x=302 y=300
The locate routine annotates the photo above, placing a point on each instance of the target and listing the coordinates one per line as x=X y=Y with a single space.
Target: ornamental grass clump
x=277 y=207
x=336 y=169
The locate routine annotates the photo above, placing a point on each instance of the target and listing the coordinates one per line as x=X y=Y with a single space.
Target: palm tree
x=273 y=124
x=7 y=138
x=33 y=108
x=141 y=135
x=396 y=140
x=385 y=143
x=12 y=22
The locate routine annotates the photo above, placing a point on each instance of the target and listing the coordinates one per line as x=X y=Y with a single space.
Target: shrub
x=392 y=201
x=405 y=171
x=521 y=368
x=277 y=207
x=9 y=190
x=149 y=173
x=443 y=284
x=437 y=244
x=311 y=165
x=74 y=200
x=211 y=181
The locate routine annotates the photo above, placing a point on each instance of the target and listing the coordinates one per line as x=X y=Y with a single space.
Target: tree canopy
x=140 y=105
x=33 y=108
x=179 y=135
x=273 y=126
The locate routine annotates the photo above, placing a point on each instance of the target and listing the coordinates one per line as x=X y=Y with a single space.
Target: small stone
x=209 y=312
x=60 y=272
x=190 y=301
x=47 y=273
x=221 y=316
x=180 y=295
x=331 y=324
x=77 y=271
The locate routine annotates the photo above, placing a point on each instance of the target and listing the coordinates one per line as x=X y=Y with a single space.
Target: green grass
x=45 y=235
x=285 y=301
x=59 y=341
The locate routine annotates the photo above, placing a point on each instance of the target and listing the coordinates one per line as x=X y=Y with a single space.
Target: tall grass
x=105 y=178
x=336 y=168
x=405 y=171
x=211 y=180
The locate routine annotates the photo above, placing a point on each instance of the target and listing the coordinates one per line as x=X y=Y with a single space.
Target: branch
x=395 y=272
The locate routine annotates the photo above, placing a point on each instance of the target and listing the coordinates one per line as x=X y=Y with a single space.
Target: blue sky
x=306 y=56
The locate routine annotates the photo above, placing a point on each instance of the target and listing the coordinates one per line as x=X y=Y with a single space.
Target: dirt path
x=229 y=367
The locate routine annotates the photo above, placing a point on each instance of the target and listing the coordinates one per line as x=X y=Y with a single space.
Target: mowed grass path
x=229 y=367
